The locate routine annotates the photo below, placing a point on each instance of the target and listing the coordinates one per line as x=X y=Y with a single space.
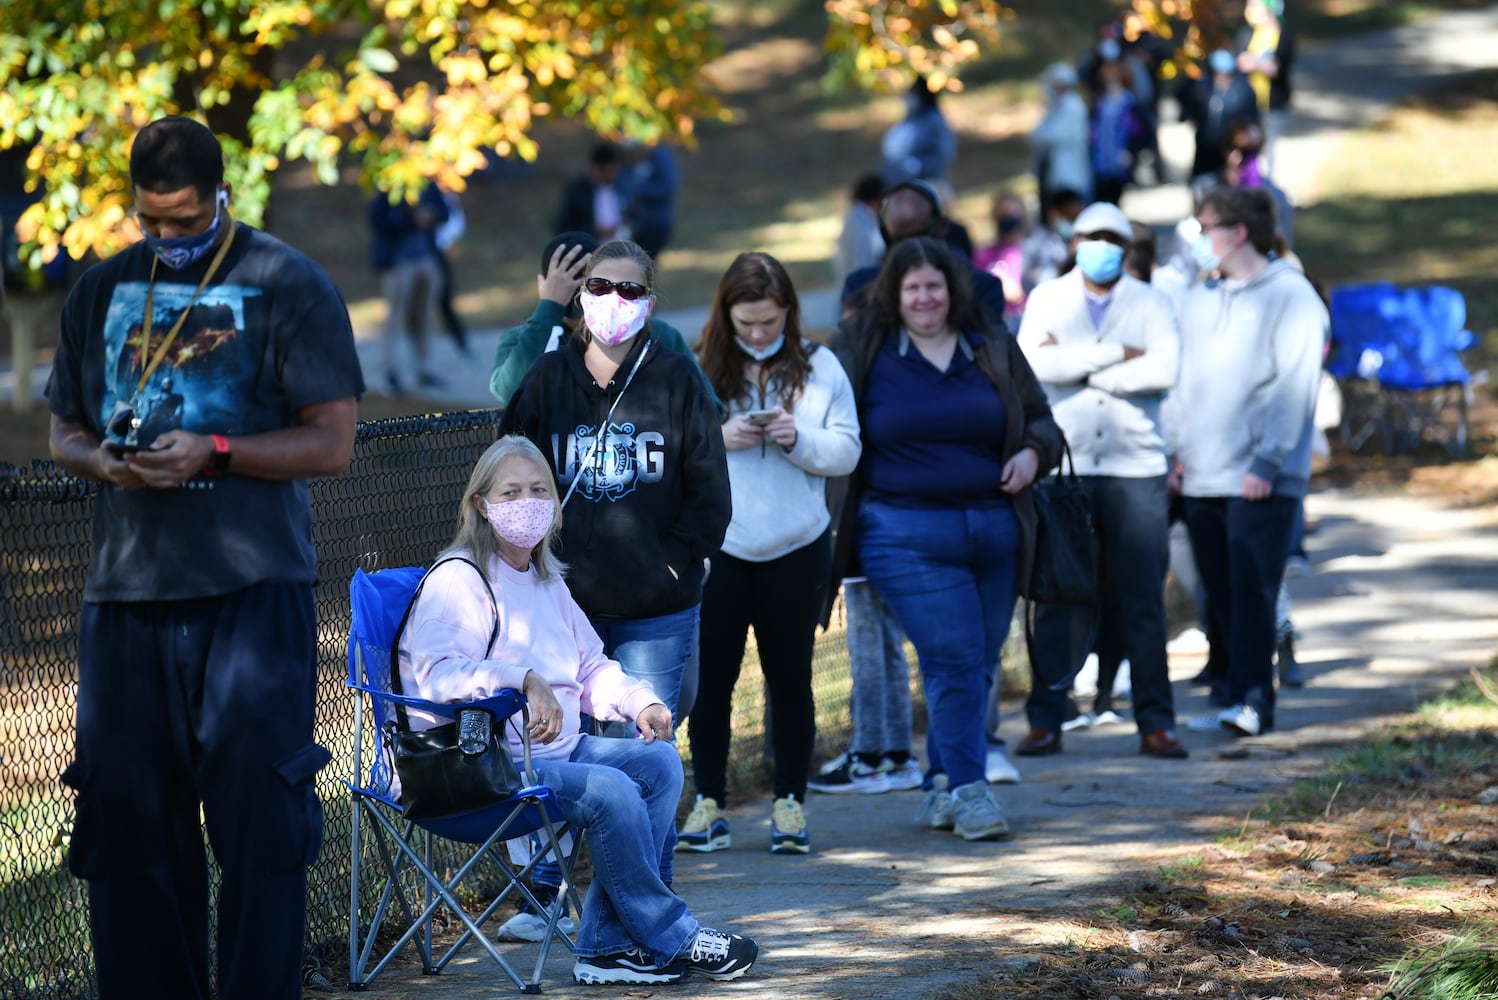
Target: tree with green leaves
x=409 y=90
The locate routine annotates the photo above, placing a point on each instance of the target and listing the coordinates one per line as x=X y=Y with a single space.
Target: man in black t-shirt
x=203 y=374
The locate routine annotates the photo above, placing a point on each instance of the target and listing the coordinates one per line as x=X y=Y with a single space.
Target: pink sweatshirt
x=541 y=628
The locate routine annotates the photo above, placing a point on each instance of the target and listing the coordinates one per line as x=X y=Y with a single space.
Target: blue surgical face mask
x=1100 y=260
x=178 y=252
x=769 y=351
x=1064 y=229
x=1201 y=252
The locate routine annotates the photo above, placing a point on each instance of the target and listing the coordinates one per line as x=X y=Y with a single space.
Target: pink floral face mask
x=613 y=320
x=522 y=523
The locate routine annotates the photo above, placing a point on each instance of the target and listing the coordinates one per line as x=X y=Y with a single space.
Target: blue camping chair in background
x=1396 y=352
x=399 y=851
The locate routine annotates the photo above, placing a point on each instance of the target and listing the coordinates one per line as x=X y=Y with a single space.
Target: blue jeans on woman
x=949 y=575
x=624 y=794
x=658 y=650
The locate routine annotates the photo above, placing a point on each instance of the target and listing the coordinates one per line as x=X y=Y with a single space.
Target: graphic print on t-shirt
x=203 y=380
x=624 y=459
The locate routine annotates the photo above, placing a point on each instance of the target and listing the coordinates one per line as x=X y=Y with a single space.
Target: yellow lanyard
x=155 y=362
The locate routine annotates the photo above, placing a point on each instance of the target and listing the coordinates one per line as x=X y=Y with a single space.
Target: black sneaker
x=632 y=966
x=719 y=955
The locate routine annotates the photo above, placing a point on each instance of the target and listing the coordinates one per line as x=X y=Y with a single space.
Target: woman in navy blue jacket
x=955 y=427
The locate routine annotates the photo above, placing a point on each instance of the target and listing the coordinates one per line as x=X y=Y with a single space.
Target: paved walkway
x=1403 y=600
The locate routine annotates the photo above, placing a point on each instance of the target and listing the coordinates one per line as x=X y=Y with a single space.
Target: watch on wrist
x=218 y=462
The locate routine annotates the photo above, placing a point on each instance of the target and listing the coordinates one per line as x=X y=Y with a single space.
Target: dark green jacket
x=1027 y=424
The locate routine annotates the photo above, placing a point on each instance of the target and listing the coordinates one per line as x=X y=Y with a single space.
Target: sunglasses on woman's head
x=630 y=290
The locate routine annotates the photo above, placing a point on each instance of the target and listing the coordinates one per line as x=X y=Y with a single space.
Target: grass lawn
x=1401 y=214
x=1319 y=894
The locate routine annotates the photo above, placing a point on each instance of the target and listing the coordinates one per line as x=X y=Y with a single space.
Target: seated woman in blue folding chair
x=623 y=793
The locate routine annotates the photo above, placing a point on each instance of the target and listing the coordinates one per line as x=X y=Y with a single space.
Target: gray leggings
x=880 y=700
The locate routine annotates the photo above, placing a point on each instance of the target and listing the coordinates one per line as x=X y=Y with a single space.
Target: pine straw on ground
x=1313 y=902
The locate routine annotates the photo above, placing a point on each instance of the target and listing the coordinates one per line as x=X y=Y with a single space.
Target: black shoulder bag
x=1066 y=545
x=1065 y=567
x=437 y=777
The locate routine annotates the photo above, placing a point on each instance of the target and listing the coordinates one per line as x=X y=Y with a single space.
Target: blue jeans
x=657 y=650
x=624 y=793
x=949 y=575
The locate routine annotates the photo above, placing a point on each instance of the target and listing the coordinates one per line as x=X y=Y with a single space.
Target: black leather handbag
x=437 y=777
x=1065 y=570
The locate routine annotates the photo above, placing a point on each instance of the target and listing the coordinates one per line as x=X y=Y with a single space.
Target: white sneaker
x=1108 y=718
x=1242 y=720
x=528 y=926
x=998 y=770
x=902 y=777
x=1209 y=723
x=1191 y=642
x=977 y=815
x=1123 y=681
x=937 y=810
x=1084 y=685
x=1083 y=721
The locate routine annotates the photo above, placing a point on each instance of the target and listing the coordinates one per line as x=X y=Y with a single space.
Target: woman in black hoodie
x=638 y=454
x=647 y=495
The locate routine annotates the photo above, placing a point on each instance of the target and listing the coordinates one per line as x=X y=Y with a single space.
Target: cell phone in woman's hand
x=759 y=417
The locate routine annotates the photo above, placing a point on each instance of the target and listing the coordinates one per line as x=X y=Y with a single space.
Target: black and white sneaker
x=719 y=955
x=632 y=966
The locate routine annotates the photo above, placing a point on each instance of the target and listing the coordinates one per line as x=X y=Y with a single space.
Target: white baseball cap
x=1103 y=217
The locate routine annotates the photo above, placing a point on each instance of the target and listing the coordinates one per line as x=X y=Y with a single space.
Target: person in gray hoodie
x=1241 y=432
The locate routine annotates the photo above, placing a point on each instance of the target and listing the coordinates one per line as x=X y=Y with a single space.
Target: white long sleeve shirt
x=1108 y=407
x=779 y=496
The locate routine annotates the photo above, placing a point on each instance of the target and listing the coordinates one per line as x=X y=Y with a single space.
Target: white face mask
x=522 y=523
x=761 y=354
x=1201 y=252
x=612 y=319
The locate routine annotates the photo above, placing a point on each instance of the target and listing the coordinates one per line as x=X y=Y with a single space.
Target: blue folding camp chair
x=407 y=873
x=1397 y=353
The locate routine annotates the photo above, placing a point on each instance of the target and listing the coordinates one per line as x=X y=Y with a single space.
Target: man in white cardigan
x=1107 y=348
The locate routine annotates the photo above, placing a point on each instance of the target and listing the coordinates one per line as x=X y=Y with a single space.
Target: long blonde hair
x=475 y=536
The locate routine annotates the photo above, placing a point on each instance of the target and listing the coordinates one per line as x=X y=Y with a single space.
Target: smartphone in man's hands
x=119 y=449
